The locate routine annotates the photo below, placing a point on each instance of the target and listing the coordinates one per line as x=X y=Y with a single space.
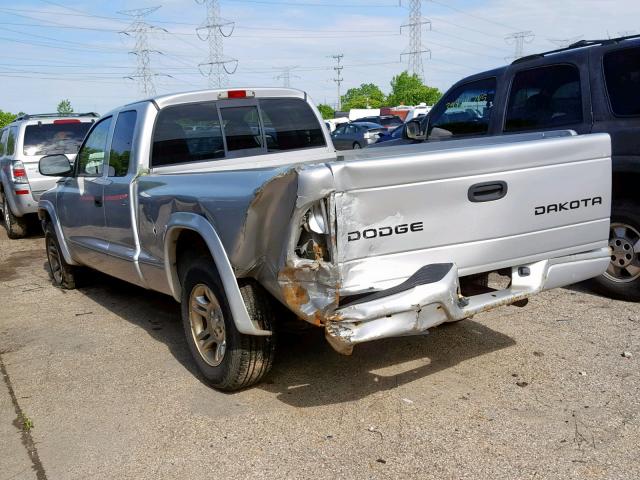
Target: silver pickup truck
x=230 y=199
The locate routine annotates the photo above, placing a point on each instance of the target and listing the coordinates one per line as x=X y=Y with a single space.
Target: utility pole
x=416 y=49
x=216 y=66
x=338 y=78
x=286 y=76
x=519 y=39
x=139 y=29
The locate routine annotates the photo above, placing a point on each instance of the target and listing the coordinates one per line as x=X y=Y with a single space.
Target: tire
x=226 y=358
x=61 y=273
x=622 y=278
x=16 y=226
x=356 y=146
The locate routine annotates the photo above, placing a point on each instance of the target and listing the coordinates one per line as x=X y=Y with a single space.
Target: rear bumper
x=21 y=204
x=431 y=297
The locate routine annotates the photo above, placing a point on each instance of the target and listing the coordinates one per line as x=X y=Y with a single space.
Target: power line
x=139 y=29
x=472 y=15
x=416 y=50
x=338 y=78
x=519 y=39
x=216 y=63
x=564 y=42
x=286 y=76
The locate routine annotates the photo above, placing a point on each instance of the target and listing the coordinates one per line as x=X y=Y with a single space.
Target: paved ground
x=105 y=378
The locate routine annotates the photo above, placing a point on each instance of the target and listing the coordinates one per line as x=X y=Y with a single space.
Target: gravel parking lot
x=104 y=379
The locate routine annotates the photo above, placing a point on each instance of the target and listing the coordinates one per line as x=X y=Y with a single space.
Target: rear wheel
x=356 y=146
x=16 y=226
x=622 y=278
x=62 y=274
x=228 y=359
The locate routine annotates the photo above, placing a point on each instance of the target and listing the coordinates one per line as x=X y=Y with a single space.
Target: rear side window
x=11 y=140
x=290 y=124
x=466 y=110
x=622 y=75
x=187 y=133
x=546 y=97
x=3 y=139
x=241 y=128
x=52 y=138
x=120 y=153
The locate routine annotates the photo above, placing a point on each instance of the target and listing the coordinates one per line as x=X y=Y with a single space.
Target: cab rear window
x=49 y=139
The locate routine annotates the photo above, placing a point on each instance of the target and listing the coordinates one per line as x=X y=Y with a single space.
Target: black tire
x=246 y=359
x=61 y=273
x=618 y=282
x=356 y=146
x=16 y=226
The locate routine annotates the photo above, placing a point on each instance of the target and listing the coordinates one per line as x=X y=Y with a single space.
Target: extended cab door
x=117 y=194
x=548 y=96
x=80 y=199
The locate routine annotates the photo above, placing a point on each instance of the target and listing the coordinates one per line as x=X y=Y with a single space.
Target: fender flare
x=46 y=205
x=199 y=224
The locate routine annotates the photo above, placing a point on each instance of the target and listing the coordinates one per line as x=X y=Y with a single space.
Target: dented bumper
x=432 y=296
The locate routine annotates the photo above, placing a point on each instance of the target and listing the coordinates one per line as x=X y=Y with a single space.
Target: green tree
x=6 y=118
x=64 y=107
x=366 y=95
x=409 y=90
x=326 y=111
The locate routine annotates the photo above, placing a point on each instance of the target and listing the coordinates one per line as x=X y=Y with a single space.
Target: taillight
x=22 y=192
x=18 y=172
x=237 y=94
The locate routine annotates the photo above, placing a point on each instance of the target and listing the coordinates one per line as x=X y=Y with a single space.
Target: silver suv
x=22 y=143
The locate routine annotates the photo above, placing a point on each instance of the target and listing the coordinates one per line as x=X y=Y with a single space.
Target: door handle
x=487 y=192
x=97 y=201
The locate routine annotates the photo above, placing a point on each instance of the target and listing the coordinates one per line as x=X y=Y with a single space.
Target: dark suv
x=590 y=86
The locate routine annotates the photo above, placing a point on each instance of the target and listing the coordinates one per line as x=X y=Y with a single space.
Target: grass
x=27 y=423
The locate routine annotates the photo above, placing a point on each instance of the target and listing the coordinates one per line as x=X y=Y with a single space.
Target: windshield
x=50 y=139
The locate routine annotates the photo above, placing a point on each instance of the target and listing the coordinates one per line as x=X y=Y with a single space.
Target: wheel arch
x=47 y=212
x=182 y=222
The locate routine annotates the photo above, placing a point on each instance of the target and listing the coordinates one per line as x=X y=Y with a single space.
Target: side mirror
x=55 y=166
x=414 y=131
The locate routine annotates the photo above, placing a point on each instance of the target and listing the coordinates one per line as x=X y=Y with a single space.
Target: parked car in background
x=184 y=194
x=397 y=132
x=356 y=135
x=389 y=122
x=590 y=86
x=22 y=143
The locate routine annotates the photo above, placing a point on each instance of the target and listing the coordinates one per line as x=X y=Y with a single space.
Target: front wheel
x=16 y=226
x=62 y=274
x=622 y=278
x=228 y=359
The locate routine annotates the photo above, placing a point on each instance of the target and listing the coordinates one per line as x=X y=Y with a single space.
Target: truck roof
x=218 y=94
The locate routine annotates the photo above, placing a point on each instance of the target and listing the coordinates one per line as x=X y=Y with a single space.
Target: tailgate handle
x=487 y=192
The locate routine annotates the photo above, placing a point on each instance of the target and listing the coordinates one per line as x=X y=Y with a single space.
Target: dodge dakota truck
x=231 y=200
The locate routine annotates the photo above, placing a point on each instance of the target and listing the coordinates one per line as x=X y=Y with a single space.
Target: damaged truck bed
x=235 y=198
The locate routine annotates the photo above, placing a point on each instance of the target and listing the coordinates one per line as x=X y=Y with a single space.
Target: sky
x=51 y=50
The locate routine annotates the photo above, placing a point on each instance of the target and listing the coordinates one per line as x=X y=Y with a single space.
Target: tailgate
x=482 y=207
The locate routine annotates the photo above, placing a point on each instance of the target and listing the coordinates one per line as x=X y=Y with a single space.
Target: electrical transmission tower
x=338 y=78
x=216 y=66
x=416 y=49
x=286 y=76
x=565 y=42
x=519 y=39
x=140 y=29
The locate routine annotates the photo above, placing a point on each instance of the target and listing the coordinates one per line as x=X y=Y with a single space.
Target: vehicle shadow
x=307 y=372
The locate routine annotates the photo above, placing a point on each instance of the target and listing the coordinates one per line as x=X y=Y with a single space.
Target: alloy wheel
x=624 y=244
x=207 y=324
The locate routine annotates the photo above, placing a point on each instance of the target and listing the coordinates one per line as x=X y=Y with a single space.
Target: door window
x=622 y=75
x=92 y=153
x=340 y=130
x=466 y=110
x=545 y=97
x=242 y=128
x=120 y=153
